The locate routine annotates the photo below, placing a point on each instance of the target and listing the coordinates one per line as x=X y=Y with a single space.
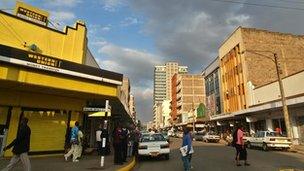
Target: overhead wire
x=260 y=5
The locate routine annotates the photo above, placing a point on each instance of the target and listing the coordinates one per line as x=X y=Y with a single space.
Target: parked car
x=166 y=136
x=154 y=145
x=198 y=136
x=211 y=137
x=267 y=140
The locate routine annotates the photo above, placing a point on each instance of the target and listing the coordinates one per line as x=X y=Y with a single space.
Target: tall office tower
x=162 y=80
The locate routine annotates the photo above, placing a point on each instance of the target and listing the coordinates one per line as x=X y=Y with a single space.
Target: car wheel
x=265 y=148
x=167 y=156
x=249 y=145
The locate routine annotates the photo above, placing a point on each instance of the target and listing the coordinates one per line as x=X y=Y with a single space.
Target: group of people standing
x=125 y=143
x=76 y=141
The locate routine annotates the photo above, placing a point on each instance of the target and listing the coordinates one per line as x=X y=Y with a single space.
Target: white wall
x=293 y=85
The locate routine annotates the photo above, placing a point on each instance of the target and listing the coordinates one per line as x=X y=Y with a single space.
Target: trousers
x=15 y=160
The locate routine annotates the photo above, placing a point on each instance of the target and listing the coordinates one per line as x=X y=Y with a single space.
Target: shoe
x=75 y=161
x=238 y=165
x=65 y=158
x=247 y=164
x=191 y=167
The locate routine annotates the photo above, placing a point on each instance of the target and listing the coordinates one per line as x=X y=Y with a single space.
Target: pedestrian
x=186 y=148
x=117 y=144
x=136 y=141
x=125 y=133
x=74 y=143
x=21 y=147
x=80 y=143
x=98 y=139
x=191 y=150
x=241 y=152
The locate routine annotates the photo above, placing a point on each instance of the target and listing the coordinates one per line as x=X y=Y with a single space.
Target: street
x=217 y=157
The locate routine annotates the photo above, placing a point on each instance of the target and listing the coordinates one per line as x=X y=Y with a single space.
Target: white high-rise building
x=162 y=80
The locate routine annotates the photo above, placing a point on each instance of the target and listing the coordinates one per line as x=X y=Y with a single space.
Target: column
x=251 y=128
x=269 y=126
x=294 y=129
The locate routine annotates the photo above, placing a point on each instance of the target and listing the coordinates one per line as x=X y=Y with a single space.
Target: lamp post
x=283 y=98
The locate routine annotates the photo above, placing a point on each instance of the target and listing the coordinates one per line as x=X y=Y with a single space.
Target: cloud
x=129 y=21
x=63 y=3
x=112 y=5
x=138 y=66
x=135 y=64
x=62 y=17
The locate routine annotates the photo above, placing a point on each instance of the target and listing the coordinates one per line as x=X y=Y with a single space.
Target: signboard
x=201 y=110
x=31 y=16
x=43 y=62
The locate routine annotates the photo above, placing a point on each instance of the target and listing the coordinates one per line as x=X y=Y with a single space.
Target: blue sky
x=131 y=36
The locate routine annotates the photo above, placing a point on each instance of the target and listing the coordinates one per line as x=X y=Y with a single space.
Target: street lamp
x=283 y=98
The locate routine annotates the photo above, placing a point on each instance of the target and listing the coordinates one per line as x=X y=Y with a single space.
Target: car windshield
x=273 y=134
x=152 y=137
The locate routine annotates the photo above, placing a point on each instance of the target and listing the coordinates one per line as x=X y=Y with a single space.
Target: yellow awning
x=99 y=114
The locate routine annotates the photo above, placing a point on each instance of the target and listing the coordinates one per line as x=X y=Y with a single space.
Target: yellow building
x=48 y=76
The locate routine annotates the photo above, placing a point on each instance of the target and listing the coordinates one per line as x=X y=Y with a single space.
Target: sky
x=131 y=37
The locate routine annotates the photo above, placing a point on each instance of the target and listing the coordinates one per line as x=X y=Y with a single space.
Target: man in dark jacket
x=21 y=147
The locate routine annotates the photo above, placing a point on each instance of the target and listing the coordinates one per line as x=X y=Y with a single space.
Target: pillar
x=269 y=126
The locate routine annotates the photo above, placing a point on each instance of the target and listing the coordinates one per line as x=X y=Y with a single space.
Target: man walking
x=74 y=143
x=98 y=139
x=21 y=147
x=117 y=143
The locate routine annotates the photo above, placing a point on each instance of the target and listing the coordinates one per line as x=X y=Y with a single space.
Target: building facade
x=249 y=79
x=48 y=77
x=212 y=87
x=189 y=95
x=132 y=107
x=162 y=80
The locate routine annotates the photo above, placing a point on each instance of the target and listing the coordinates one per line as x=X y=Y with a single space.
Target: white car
x=211 y=137
x=268 y=139
x=153 y=145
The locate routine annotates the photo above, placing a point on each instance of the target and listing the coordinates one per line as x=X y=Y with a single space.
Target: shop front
x=51 y=97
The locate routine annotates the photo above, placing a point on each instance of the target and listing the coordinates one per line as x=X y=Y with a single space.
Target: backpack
x=234 y=136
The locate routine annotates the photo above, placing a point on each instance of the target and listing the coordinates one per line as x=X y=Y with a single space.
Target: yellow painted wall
x=68 y=45
x=13 y=127
x=26 y=76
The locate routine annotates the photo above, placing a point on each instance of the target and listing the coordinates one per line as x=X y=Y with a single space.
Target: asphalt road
x=218 y=157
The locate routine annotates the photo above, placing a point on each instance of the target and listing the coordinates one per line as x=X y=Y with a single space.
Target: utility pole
x=285 y=108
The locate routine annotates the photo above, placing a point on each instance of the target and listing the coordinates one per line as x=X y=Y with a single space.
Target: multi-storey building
x=159 y=84
x=162 y=80
x=249 y=76
x=157 y=115
x=132 y=107
x=188 y=94
x=166 y=113
x=212 y=87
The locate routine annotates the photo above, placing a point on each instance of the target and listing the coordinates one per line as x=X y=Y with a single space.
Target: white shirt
x=98 y=133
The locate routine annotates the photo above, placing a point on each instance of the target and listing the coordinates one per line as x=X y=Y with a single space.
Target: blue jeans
x=186 y=163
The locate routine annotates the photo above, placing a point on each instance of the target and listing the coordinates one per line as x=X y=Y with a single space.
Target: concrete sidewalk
x=57 y=163
x=298 y=148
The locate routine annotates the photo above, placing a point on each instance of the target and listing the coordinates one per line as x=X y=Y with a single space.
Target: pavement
x=57 y=163
x=298 y=149
x=219 y=157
